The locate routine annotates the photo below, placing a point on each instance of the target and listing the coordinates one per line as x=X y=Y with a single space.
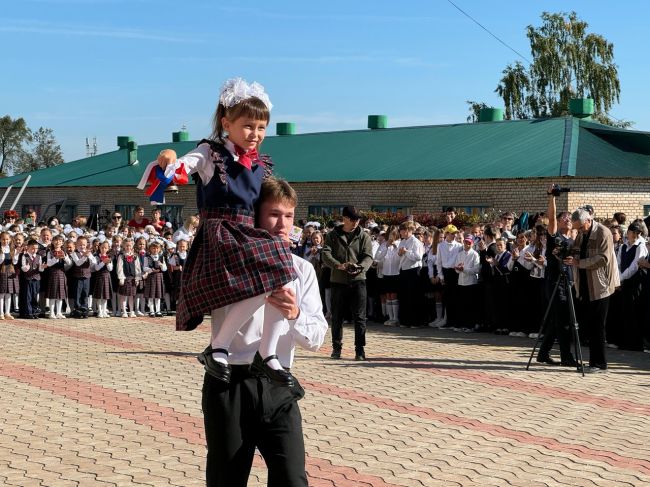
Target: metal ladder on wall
x=26 y=180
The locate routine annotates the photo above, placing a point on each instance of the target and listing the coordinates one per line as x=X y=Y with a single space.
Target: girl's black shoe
x=218 y=370
x=280 y=377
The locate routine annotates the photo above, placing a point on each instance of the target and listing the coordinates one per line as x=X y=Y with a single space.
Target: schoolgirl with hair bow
x=231 y=263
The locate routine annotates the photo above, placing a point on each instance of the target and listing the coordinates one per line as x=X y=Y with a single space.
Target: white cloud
x=35 y=27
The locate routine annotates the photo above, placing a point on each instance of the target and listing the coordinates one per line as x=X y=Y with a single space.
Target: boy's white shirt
x=307 y=331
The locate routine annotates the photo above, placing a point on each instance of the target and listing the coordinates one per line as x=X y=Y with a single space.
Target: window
x=403 y=209
x=325 y=210
x=470 y=210
x=173 y=214
x=95 y=209
x=66 y=213
x=646 y=210
x=96 y=220
x=126 y=211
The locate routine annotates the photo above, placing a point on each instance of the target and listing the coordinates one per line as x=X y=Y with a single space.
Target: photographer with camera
x=596 y=277
x=558 y=244
x=348 y=252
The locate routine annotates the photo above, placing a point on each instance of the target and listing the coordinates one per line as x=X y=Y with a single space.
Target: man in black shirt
x=559 y=321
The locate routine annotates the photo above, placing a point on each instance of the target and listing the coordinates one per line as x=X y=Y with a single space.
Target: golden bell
x=172 y=188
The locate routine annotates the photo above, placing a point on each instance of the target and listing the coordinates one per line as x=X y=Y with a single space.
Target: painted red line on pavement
x=526 y=386
x=499 y=381
x=163 y=419
x=536 y=388
x=581 y=451
x=91 y=337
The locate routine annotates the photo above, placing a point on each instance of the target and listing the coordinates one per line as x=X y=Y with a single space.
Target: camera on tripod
x=564 y=248
x=556 y=190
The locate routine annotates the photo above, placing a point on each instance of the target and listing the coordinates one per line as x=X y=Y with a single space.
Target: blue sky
x=103 y=68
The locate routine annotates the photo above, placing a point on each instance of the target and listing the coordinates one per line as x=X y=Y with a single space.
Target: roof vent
x=285 y=128
x=132 y=147
x=581 y=107
x=377 y=122
x=123 y=141
x=490 y=115
x=181 y=136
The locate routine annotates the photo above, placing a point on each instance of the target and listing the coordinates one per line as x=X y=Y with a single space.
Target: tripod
x=564 y=280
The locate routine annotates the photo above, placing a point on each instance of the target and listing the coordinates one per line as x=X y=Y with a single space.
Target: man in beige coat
x=596 y=278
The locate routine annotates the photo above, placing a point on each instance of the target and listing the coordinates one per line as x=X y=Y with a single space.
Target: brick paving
x=116 y=402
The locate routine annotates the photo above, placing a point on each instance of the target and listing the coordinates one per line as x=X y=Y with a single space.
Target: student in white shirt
x=252 y=411
x=410 y=295
x=389 y=261
x=445 y=261
x=467 y=266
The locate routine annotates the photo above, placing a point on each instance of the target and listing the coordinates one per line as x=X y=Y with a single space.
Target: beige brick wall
x=606 y=195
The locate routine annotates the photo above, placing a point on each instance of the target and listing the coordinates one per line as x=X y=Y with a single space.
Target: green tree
x=43 y=152
x=568 y=62
x=13 y=134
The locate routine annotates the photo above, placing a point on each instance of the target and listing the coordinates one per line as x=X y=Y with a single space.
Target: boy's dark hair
x=252 y=107
x=31 y=241
x=276 y=189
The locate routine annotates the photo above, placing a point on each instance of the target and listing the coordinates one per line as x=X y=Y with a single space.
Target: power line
x=489 y=32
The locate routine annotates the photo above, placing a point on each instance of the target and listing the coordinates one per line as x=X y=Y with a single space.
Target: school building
x=491 y=165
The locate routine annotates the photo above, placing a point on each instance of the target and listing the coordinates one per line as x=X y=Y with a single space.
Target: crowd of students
x=486 y=277
x=126 y=269
x=480 y=277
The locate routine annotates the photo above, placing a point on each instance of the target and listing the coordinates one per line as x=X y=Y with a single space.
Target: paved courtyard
x=116 y=402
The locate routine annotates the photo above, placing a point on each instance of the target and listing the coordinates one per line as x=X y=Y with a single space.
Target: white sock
x=59 y=305
x=124 y=304
x=273 y=321
x=90 y=302
x=2 y=305
x=150 y=303
x=238 y=314
x=15 y=301
x=157 y=304
x=395 y=310
x=439 y=311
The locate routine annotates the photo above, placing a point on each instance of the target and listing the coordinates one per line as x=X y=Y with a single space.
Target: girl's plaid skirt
x=129 y=287
x=154 y=285
x=9 y=283
x=229 y=261
x=103 y=287
x=57 y=284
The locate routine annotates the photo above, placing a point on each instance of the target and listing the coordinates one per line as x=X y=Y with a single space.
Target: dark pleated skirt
x=9 y=283
x=129 y=287
x=103 y=288
x=154 y=286
x=57 y=284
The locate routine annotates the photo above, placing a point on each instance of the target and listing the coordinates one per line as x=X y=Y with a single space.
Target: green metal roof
x=552 y=147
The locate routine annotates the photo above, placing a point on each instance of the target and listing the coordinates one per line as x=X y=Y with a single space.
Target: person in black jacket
x=348 y=252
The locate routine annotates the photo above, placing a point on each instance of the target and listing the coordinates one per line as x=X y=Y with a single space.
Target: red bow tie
x=246 y=158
